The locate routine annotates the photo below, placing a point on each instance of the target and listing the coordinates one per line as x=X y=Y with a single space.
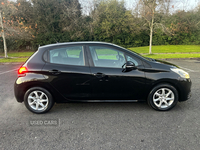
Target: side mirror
x=130 y=65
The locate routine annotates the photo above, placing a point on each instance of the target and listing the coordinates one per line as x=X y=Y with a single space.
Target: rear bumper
x=19 y=92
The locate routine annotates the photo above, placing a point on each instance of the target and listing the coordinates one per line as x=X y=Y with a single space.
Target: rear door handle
x=54 y=71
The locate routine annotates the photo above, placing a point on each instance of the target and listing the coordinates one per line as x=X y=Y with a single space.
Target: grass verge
x=11 y=60
x=165 y=56
x=168 y=49
x=18 y=54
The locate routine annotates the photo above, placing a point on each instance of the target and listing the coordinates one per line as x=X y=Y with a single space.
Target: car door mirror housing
x=130 y=65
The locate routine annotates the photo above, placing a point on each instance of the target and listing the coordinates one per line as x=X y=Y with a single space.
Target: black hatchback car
x=98 y=72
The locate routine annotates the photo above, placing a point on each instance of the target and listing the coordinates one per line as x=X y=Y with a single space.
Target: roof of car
x=82 y=42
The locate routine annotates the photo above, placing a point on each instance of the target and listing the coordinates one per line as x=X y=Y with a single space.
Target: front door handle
x=55 y=72
x=99 y=75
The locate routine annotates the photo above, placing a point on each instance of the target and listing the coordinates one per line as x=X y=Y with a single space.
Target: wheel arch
x=159 y=85
x=34 y=102
x=45 y=86
x=169 y=82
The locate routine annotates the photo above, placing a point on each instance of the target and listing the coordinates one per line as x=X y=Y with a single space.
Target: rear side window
x=71 y=55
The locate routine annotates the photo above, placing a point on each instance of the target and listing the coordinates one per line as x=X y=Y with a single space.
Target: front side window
x=107 y=57
x=72 y=55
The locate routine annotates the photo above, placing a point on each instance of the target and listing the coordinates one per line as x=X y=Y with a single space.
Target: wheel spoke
x=155 y=100
x=43 y=100
x=168 y=99
x=159 y=105
x=37 y=105
x=166 y=102
x=41 y=95
x=31 y=97
x=168 y=93
x=41 y=104
x=157 y=94
x=163 y=91
x=31 y=103
x=36 y=94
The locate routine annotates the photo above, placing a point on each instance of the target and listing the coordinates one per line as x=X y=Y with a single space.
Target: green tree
x=57 y=20
x=111 y=22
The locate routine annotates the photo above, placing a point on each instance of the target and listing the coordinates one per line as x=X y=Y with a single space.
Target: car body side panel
x=117 y=84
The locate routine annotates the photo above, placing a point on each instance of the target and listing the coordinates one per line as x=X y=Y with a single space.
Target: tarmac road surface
x=95 y=126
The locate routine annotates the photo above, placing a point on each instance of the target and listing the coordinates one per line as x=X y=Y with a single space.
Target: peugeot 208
x=98 y=72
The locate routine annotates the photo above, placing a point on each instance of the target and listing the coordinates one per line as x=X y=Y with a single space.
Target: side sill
x=101 y=101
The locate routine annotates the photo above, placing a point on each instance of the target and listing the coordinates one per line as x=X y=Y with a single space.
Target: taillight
x=22 y=71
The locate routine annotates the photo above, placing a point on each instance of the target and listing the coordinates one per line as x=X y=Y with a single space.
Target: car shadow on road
x=107 y=107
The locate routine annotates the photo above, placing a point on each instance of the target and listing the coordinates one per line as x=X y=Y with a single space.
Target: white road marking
x=7 y=71
x=188 y=69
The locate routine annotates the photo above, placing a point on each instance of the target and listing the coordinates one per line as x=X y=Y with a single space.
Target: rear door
x=68 y=71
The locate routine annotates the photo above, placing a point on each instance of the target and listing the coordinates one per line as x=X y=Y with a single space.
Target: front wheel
x=163 y=97
x=38 y=100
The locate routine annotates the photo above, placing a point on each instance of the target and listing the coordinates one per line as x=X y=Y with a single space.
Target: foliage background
x=41 y=22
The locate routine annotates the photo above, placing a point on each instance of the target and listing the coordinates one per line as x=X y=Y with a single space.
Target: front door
x=111 y=81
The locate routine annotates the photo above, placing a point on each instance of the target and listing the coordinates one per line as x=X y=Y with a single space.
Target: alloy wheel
x=38 y=100
x=163 y=98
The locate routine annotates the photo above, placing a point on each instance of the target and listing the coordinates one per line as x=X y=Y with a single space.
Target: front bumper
x=184 y=89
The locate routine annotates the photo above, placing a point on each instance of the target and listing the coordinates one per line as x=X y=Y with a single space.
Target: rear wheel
x=38 y=100
x=163 y=97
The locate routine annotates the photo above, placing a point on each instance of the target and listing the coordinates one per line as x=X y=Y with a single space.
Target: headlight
x=181 y=72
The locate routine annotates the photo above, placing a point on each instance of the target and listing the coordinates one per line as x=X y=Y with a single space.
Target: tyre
x=163 y=97
x=38 y=100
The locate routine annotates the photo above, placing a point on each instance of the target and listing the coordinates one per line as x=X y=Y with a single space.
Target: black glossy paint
x=115 y=84
x=73 y=82
x=68 y=83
